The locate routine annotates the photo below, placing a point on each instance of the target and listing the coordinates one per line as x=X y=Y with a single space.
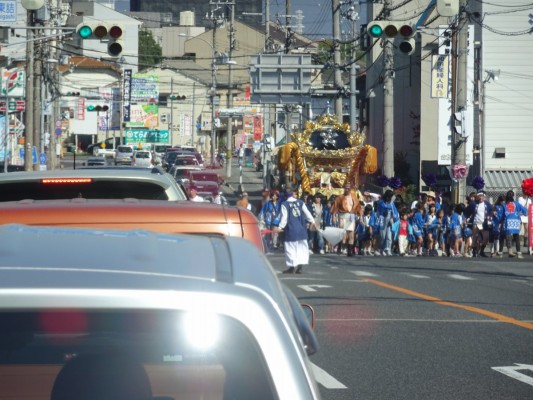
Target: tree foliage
x=150 y=52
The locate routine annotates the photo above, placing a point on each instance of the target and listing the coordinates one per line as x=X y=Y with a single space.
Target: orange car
x=127 y=214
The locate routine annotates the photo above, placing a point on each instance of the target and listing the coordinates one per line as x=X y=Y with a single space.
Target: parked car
x=123 y=155
x=181 y=173
x=142 y=158
x=183 y=159
x=132 y=322
x=160 y=149
x=207 y=183
x=90 y=183
x=171 y=154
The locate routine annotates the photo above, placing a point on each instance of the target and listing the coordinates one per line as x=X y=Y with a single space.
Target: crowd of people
x=385 y=225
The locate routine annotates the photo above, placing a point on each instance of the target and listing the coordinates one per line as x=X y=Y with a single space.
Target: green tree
x=150 y=53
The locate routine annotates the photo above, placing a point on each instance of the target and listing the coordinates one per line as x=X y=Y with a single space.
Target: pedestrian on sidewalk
x=240 y=154
x=294 y=219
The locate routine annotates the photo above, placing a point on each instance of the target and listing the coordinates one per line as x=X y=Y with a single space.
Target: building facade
x=497 y=118
x=249 y=11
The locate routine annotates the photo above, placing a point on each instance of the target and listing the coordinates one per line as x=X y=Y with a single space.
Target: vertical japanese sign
x=126 y=92
x=81 y=109
x=440 y=76
x=258 y=127
x=8 y=11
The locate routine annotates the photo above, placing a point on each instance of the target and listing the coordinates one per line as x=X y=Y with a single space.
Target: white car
x=142 y=158
x=152 y=316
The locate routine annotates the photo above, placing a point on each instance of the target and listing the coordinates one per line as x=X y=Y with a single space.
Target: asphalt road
x=420 y=328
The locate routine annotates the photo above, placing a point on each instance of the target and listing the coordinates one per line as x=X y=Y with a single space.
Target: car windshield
x=133 y=354
x=142 y=154
x=124 y=149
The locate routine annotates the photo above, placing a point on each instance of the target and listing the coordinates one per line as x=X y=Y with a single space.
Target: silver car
x=91 y=183
x=142 y=158
x=123 y=155
x=152 y=316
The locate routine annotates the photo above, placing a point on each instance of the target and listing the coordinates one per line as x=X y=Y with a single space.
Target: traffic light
x=97 y=108
x=114 y=47
x=175 y=97
x=402 y=31
x=111 y=33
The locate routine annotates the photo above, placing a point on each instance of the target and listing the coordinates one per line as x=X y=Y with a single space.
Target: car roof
x=134 y=259
x=100 y=174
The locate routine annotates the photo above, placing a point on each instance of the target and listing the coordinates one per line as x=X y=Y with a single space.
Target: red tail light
x=62 y=181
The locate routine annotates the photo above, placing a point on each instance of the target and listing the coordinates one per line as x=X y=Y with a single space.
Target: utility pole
x=194 y=122
x=388 y=99
x=171 y=119
x=28 y=131
x=459 y=71
x=213 y=92
x=37 y=103
x=353 y=16
x=336 y=9
x=229 y=132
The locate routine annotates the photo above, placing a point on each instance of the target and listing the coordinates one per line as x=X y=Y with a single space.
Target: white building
x=499 y=114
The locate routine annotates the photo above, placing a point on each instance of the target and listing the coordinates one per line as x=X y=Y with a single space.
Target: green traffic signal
x=85 y=31
x=375 y=30
x=92 y=107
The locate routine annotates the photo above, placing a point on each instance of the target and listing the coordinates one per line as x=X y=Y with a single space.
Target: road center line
x=490 y=314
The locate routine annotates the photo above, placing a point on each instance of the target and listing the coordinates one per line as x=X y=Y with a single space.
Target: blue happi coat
x=509 y=217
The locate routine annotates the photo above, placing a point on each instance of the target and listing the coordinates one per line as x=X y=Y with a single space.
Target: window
x=139 y=351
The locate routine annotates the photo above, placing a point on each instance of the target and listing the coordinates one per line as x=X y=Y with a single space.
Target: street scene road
x=419 y=328
x=414 y=328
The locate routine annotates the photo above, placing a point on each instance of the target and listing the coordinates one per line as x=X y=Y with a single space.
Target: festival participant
x=294 y=219
x=348 y=207
x=511 y=211
x=386 y=215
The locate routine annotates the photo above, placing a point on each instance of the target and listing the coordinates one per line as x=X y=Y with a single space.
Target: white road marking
x=310 y=288
x=418 y=276
x=326 y=379
x=363 y=273
x=460 y=277
x=511 y=371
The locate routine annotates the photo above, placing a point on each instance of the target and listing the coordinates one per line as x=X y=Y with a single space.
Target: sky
x=317 y=14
